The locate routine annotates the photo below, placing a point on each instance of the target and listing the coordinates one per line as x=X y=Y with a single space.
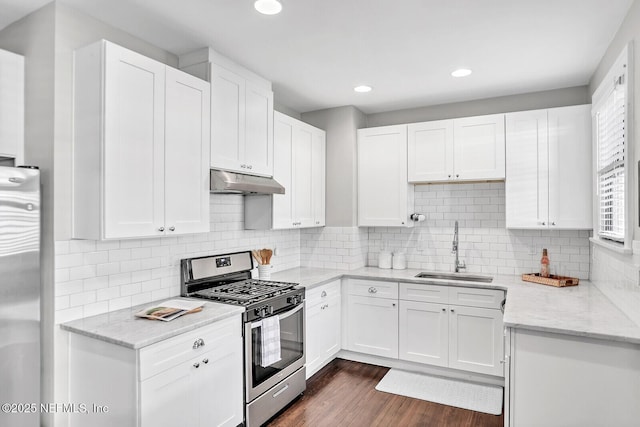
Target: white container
x=264 y=272
x=399 y=261
x=384 y=259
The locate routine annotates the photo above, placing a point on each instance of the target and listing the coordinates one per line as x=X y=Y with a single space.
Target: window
x=612 y=151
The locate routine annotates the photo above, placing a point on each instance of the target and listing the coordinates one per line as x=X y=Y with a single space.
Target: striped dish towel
x=270 y=336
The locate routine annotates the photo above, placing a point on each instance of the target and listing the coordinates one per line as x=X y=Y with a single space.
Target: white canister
x=384 y=259
x=264 y=272
x=399 y=261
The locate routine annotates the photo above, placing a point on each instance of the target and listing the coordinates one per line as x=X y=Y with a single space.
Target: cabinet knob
x=372 y=290
x=457 y=176
x=553 y=223
x=394 y=304
x=543 y=223
x=444 y=309
x=172 y=228
x=161 y=229
x=243 y=166
x=452 y=310
x=196 y=365
x=249 y=166
x=449 y=176
x=205 y=361
x=323 y=294
x=198 y=343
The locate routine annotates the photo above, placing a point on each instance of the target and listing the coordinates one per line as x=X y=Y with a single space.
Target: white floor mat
x=476 y=397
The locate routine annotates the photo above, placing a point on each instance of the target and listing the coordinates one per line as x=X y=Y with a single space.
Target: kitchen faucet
x=459 y=265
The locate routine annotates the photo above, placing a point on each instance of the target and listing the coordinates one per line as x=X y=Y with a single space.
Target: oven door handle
x=284 y=316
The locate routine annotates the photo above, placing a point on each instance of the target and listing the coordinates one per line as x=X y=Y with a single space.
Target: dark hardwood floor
x=343 y=394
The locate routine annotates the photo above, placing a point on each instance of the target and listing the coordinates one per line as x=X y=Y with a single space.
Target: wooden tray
x=557 y=281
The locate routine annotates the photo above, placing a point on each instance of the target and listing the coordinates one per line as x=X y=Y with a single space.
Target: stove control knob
x=296 y=299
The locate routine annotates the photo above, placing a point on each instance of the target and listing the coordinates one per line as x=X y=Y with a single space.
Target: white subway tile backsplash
x=485 y=244
x=102 y=276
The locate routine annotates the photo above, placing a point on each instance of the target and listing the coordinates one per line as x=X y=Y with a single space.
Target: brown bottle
x=544 y=264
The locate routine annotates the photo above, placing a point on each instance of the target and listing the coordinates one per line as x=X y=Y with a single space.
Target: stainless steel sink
x=454 y=276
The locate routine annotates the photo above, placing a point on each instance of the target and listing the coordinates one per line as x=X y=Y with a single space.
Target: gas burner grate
x=245 y=291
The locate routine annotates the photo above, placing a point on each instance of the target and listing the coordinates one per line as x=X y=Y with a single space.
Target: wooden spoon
x=269 y=254
x=256 y=255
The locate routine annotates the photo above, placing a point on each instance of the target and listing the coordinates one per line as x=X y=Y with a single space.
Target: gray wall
x=340 y=124
x=504 y=104
x=33 y=37
x=629 y=31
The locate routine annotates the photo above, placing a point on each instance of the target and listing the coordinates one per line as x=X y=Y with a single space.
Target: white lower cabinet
x=172 y=382
x=372 y=317
x=465 y=337
x=323 y=320
x=561 y=380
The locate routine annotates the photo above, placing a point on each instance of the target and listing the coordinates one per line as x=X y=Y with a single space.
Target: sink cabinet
x=167 y=383
x=452 y=326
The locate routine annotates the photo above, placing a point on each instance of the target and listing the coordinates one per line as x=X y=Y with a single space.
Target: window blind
x=610 y=113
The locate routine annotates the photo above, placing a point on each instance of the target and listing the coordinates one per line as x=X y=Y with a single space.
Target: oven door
x=260 y=379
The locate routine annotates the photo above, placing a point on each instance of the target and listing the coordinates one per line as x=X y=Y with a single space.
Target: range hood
x=239 y=183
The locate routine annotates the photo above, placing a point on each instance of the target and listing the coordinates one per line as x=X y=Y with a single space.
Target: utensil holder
x=264 y=272
x=384 y=259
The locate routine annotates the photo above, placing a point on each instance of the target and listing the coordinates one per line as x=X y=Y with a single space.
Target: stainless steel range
x=273 y=328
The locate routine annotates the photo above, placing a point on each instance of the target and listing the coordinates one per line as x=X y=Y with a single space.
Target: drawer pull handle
x=196 y=365
x=205 y=361
x=279 y=392
x=198 y=343
x=372 y=290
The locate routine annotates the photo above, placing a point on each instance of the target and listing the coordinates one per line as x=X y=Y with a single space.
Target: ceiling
x=316 y=51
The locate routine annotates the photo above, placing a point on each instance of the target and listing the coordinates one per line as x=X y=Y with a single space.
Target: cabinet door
x=283 y=131
x=527 y=185
x=227 y=119
x=314 y=337
x=424 y=333
x=372 y=326
x=12 y=106
x=318 y=175
x=479 y=147
x=302 y=184
x=258 y=144
x=476 y=341
x=570 y=183
x=384 y=195
x=220 y=384
x=332 y=332
x=170 y=397
x=430 y=151
x=187 y=145
x=133 y=144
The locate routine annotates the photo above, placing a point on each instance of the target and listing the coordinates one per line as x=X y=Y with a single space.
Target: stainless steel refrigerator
x=19 y=296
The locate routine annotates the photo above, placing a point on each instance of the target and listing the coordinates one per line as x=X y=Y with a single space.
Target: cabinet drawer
x=424 y=293
x=372 y=288
x=168 y=353
x=476 y=297
x=322 y=293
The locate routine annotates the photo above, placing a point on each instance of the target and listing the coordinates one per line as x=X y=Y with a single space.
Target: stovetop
x=245 y=292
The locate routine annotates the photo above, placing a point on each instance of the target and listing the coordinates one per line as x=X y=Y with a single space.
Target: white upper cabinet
x=548 y=160
x=241 y=113
x=466 y=149
x=12 y=107
x=430 y=151
x=299 y=166
x=141 y=131
x=384 y=196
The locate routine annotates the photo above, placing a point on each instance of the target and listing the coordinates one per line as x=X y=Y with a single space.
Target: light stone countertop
x=123 y=328
x=575 y=310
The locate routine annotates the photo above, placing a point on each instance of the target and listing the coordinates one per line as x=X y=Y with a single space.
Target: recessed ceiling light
x=268 y=7
x=362 y=89
x=461 y=72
